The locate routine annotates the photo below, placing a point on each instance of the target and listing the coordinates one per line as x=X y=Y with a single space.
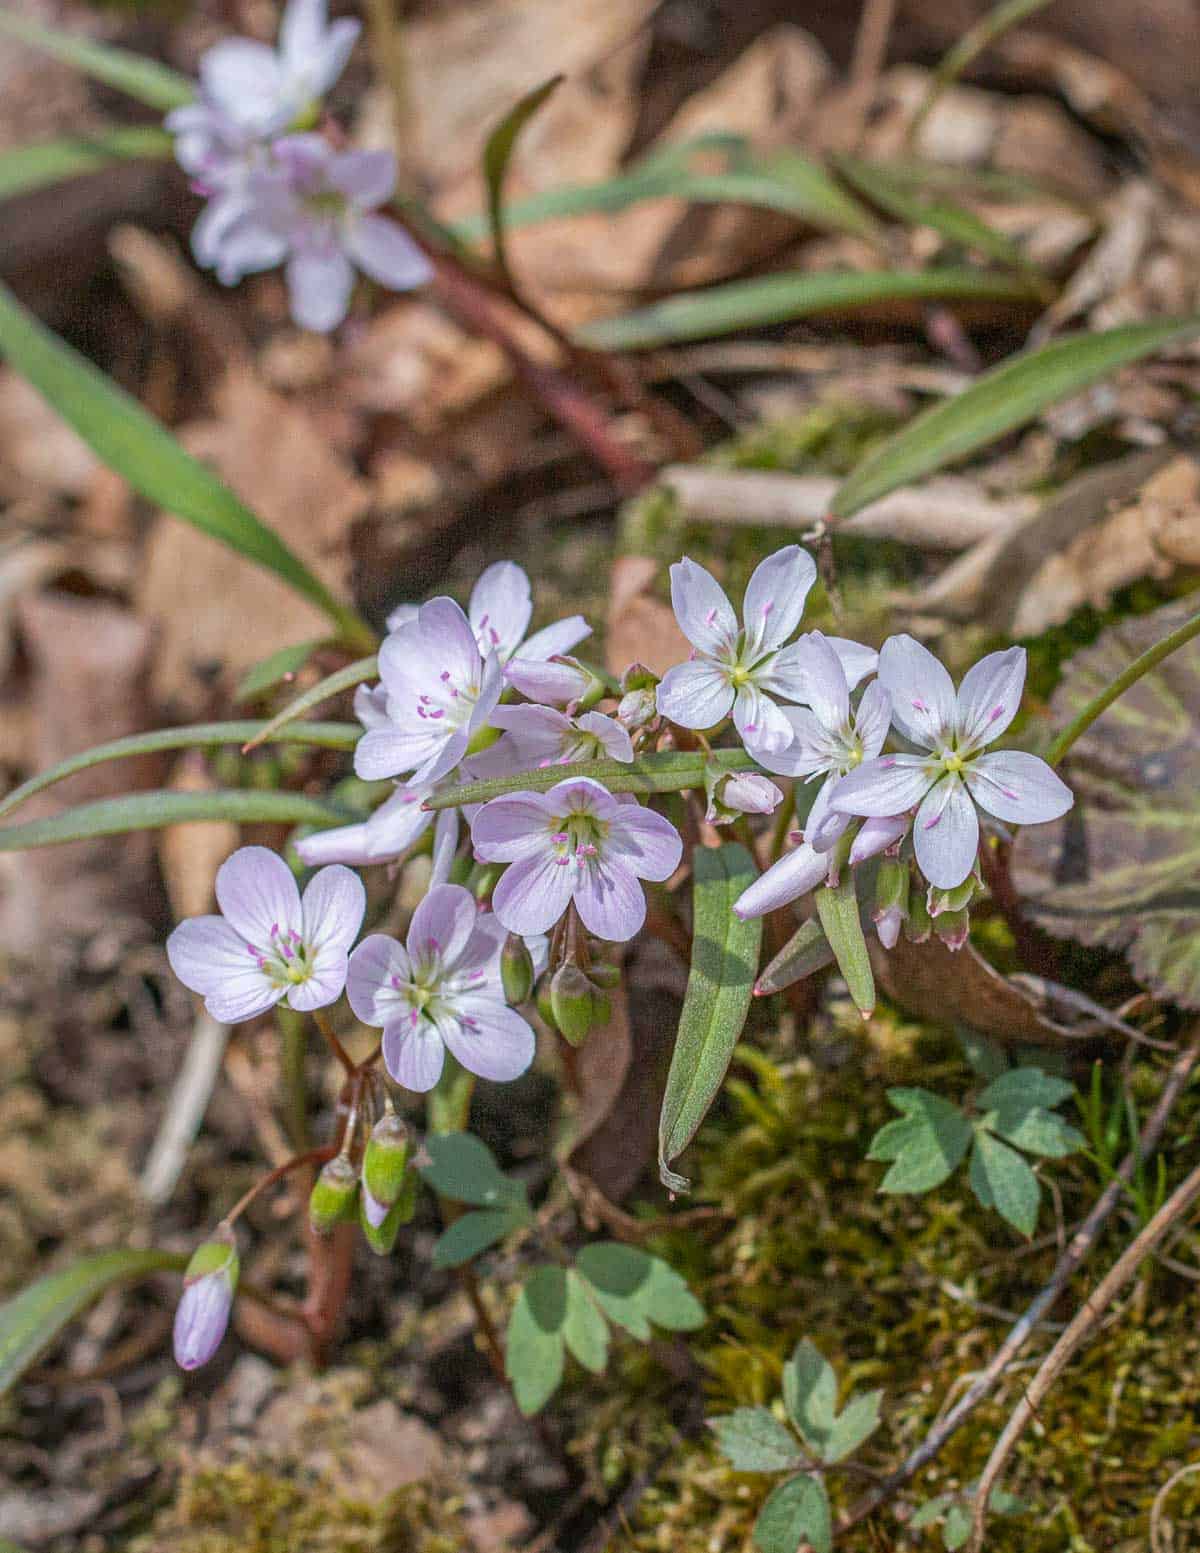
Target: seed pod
x=572 y=1000
x=380 y=1225
x=543 y=1004
x=605 y=975
x=334 y=1197
x=385 y=1161
x=203 y=1310
x=516 y=969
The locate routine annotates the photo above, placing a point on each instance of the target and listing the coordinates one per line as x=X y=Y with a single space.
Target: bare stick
x=1082 y=1327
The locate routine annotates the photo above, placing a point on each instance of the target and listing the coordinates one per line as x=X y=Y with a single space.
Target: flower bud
x=487 y=877
x=203 y=1310
x=952 y=927
x=637 y=709
x=891 y=900
x=957 y=899
x=638 y=677
x=380 y=1225
x=558 y=681
x=731 y=794
x=516 y=969
x=918 y=926
x=605 y=975
x=572 y=1001
x=542 y=1003
x=334 y=1197
x=385 y=1160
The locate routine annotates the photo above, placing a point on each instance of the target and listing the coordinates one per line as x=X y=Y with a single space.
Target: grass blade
x=776 y=299
x=133 y=444
x=156 y=85
x=330 y=736
x=54 y=161
x=1000 y=401
x=670 y=772
x=32 y=1319
x=497 y=154
x=332 y=685
x=720 y=985
x=154 y=810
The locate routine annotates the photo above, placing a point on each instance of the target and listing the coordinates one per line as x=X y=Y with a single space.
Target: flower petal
x=442 y=926
x=500 y=608
x=319 y=287
x=513 y=827
x=946 y=833
x=1017 y=787
x=243 y=79
x=812 y=750
x=402 y=615
x=750 y=793
x=445 y=758
x=646 y=843
x=375 y=964
x=989 y=696
x=532 y=894
x=327 y=62
x=761 y=724
x=445 y=845
x=392 y=751
x=301 y=28
x=875 y=836
x=704 y=613
x=366 y=177
x=825 y=824
x=342 y=844
x=333 y=906
x=794 y=875
x=615 y=740
x=325 y=981
x=825 y=685
x=856 y=660
x=209 y=957
x=550 y=641
x=884 y=787
x=398 y=822
x=775 y=598
x=386 y=253
x=924 y=705
x=257 y=894
x=370 y=706
x=609 y=899
x=414 y=1053
x=873 y=719
x=582 y=795
x=695 y=695
x=490 y=1039
x=547 y=681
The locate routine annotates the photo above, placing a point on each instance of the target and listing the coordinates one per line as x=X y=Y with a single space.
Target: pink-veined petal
x=609 y=899
x=257 y=894
x=500 y=608
x=319 y=286
x=794 y=875
x=884 y=787
x=856 y=660
x=242 y=77
x=695 y=695
x=761 y=724
x=873 y=719
x=582 y=795
x=532 y=894
x=645 y=842
x=613 y=738
x=547 y=681
x=370 y=706
x=444 y=759
x=876 y=835
x=489 y=1039
x=375 y=964
x=333 y=906
x=402 y=615
x=325 y=981
x=210 y=958
x=398 y=822
x=1017 y=787
x=825 y=824
x=924 y=705
x=413 y=1053
x=512 y=828
x=343 y=844
x=442 y=925
x=825 y=681
x=946 y=833
x=989 y=696
x=391 y=751
x=812 y=749
x=554 y=639
x=386 y=253
x=704 y=613
x=775 y=598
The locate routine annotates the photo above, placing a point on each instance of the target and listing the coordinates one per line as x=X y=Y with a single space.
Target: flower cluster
x=278 y=193
x=878 y=752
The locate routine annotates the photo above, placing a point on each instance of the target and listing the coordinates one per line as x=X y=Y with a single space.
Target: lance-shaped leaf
x=497 y=154
x=776 y=299
x=330 y=736
x=720 y=985
x=54 y=161
x=1000 y=401
x=805 y=952
x=669 y=772
x=838 y=911
x=32 y=1319
x=152 y=811
x=332 y=685
x=156 y=85
x=795 y=1515
x=1122 y=869
x=135 y=446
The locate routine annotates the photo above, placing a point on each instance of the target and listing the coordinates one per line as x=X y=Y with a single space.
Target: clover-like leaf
x=1122 y=869
x=926 y=1144
x=463 y=1168
x=472 y=1234
x=797 y=1512
x=1018 y=1109
x=810 y=1393
x=856 y=1422
x=633 y=1289
x=1001 y=1179
x=755 y=1441
x=535 y=1348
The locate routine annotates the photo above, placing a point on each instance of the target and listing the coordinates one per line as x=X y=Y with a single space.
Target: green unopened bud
x=334 y=1197
x=218 y=1255
x=381 y=1225
x=601 y=1009
x=543 y=1004
x=891 y=900
x=918 y=926
x=952 y=927
x=516 y=969
x=385 y=1161
x=203 y=1311
x=638 y=677
x=605 y=975
x=572 y=1000
x=957 y=899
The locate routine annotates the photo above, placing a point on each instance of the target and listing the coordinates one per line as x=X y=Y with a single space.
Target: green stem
x=1150 y=659
x=449 y=1103
x=293 y=1030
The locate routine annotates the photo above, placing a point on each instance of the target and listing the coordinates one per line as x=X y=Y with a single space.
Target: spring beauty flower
x=953 y=773
x=207 y=1300
x=543 y=736
x=804 y=868
x=440 y=991
x=576 y=842
x=744 y=667
x=500 y=609
x=269 y=943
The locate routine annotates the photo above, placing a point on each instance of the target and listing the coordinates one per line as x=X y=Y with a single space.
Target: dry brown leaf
x=640 y=627
x=412 y=360
x=189 y=855
x=38 y=450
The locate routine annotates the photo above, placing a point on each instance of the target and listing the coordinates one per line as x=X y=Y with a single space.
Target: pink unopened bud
x=751 y=793
x=888 y=924
x=203 y=1310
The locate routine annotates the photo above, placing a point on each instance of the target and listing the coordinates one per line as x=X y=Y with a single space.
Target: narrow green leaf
x=634 y=1288
x=32 y=1319
x=755 y=1441
x=927 y=1144
x=810 y=1393
x=134 y=445
x=154 y=810
x=497 y=154
x=275 y=668
x=857 y=1420
x=463 y=1168
x=474 y=1233
x=585 y=1330
x=720 y=986
x=1000 y=401
x=805 y=952
x=534 y=1350
x=332 y=685
x=776 y=299
x=330 y=736
x=1001 y=1179
x=147 y=80
x=837 y=909
x=670 y=772
x=795 y=1514
x=54 y=161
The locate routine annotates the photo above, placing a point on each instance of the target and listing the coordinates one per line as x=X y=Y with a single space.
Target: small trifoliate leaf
x=931 y=1511
x=474 y=1233
x=956 y=1528
x=857 y=1420
x=584 y=1328
x=464 y=1169
x=927 y=1143
x=810 y=1394
x=1038 y=1132
x=534 y=1350
x=1023 y=1089
x=1001 y=1179
x=755 y=1441
x=796 y=1512
x=634 y=1288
